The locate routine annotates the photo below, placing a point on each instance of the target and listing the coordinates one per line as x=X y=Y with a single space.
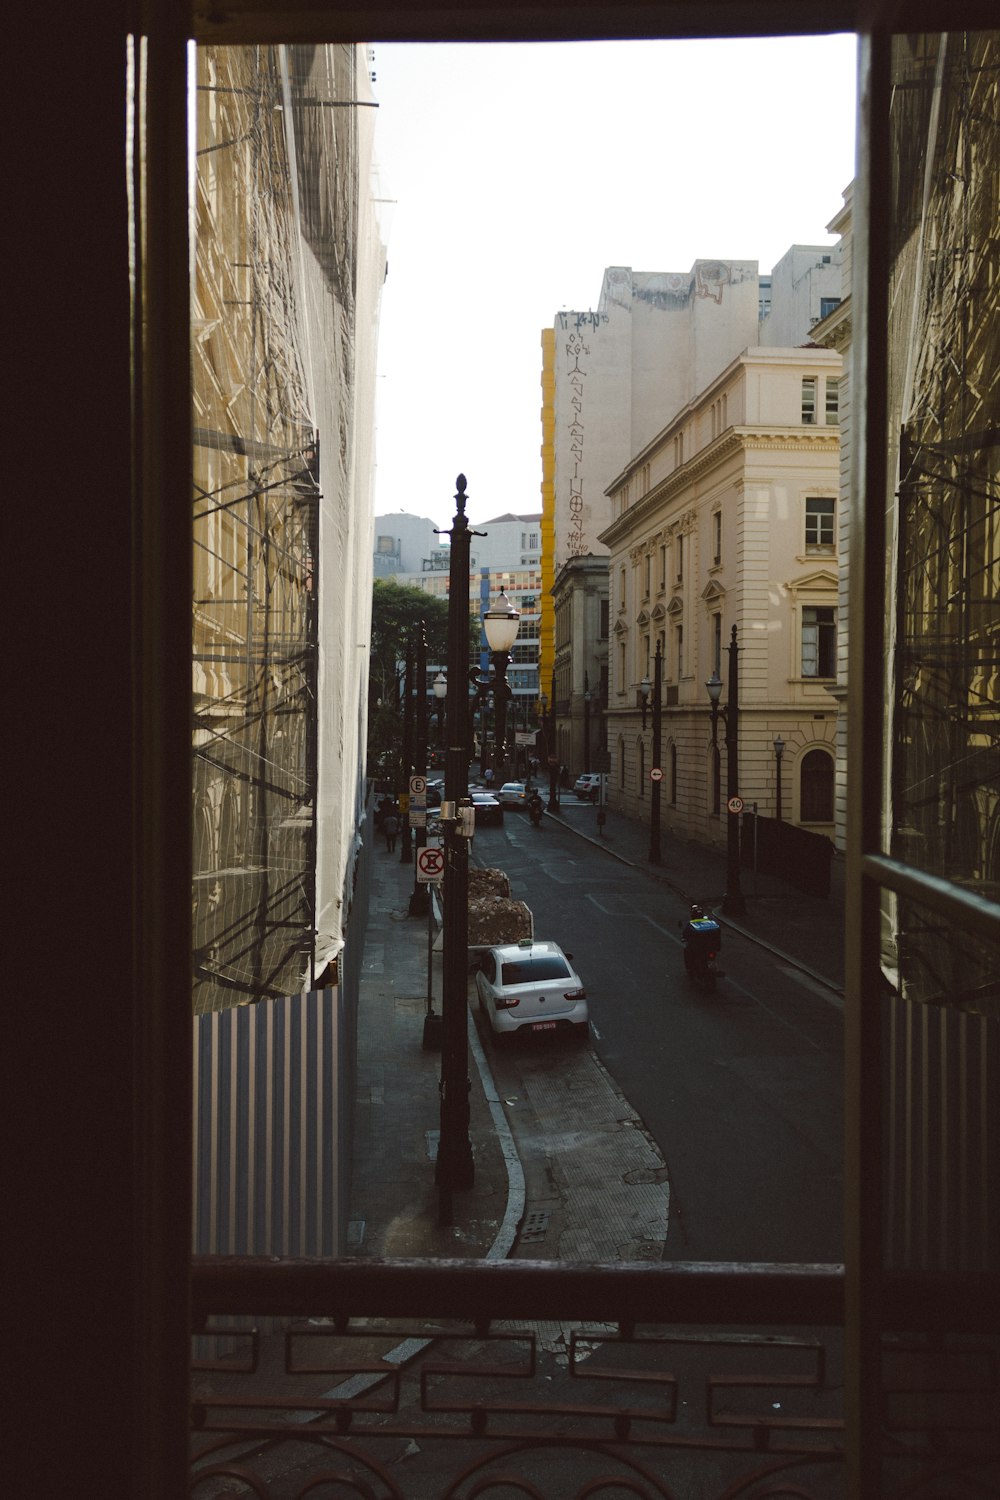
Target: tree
x=397 y=610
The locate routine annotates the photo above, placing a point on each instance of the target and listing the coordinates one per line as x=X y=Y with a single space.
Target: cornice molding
x=733 y=441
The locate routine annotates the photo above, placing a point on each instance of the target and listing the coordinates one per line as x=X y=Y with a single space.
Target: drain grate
x=534 y=1226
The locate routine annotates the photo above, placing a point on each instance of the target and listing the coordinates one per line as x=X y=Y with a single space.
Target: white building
x=729 y=517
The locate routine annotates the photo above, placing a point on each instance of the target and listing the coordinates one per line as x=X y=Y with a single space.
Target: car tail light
x=507 y=1002
x=575 y=995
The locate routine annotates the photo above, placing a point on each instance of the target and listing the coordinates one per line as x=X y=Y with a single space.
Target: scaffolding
x=255 y=532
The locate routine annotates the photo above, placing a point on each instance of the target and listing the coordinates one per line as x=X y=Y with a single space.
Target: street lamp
x=454 y=1170
x=779 y=750
x=733 y=904
x=500 y=624
x=420 y=896
x=645 y=688
x=586 y=723
x=654 y=800
x=440 y=686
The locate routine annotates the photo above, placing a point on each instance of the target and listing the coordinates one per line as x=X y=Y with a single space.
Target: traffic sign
x=656 y=774
x=735 y=804
x=418 y=786
x=430 y=864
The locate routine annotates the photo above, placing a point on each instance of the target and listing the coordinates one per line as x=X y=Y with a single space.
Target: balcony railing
x=420 y=1379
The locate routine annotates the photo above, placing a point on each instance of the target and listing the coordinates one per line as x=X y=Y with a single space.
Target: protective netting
x=945 y=395
x=289 y=264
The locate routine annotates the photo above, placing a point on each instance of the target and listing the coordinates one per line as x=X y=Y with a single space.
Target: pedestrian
x=489 y=777
x=390 y=827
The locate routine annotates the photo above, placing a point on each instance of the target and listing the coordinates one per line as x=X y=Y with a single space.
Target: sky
x=513 y=174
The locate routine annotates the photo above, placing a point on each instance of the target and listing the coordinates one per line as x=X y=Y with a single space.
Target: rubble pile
x=487 y=883
x=497 y=919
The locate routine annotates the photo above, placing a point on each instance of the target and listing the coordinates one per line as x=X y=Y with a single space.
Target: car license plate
x=544 y=1026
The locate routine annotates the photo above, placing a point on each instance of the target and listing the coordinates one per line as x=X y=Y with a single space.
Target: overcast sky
x=519 y=172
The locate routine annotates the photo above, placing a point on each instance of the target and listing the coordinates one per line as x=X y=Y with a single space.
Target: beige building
x=729 y=517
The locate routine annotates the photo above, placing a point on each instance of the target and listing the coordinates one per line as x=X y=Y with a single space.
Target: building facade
x=728 y=518
x=581 y=608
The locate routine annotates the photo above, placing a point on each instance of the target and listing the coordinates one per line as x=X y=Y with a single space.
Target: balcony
x=460 y=1378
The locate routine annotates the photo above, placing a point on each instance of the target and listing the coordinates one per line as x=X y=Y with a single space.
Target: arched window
x=816 y=788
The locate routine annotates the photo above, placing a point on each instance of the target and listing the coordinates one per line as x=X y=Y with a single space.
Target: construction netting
x=289 y=266
x=945 y=395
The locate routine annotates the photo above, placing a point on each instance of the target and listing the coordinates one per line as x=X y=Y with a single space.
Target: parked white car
x=588 y=786
x=532 y=986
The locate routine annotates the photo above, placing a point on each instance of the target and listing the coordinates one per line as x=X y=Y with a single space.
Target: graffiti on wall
x=710 y=277
x=576 y=545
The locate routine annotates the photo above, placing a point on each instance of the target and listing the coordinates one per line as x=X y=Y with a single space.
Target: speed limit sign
x=735 y=804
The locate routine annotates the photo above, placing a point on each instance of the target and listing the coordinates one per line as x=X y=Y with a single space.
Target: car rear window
x=531 y=970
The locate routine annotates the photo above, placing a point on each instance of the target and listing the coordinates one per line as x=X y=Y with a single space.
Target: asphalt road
x=742 y=1090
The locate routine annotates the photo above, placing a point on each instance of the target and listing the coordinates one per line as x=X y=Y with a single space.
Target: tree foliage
x=397 y=610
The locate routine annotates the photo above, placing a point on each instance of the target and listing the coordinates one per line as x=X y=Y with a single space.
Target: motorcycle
x=702 y=940
x=535 y=810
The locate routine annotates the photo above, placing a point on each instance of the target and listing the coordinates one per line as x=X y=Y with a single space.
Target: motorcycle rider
x=702 y=939
x=535 y=808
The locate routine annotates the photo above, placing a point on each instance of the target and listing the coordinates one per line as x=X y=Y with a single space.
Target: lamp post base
x=433 y=1032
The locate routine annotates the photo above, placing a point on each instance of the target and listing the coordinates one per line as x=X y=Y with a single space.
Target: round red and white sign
x=430 y=863
x=656 y=774
x=735 y=804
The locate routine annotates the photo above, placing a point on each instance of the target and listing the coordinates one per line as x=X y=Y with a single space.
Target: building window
x=680 y=559
x=663 y=567
x=648 y=575
x=819 y=642
x=621 y=601
x=809 y=401
x=717 y=536
x=605 y=619
x=820 y=514
x=679 y=639
x=816 y=788
x=832 y=401
x=622 y=679
x=717 y=645
x=827 y=304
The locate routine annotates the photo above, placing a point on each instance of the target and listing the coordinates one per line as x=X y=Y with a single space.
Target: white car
x=512 y=794
x=588 y=786
x=532 y=986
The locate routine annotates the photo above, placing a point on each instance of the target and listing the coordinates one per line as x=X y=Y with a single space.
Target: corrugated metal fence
x=274 y=1087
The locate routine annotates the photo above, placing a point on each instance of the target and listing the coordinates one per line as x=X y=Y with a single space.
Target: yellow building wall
x=547 y=646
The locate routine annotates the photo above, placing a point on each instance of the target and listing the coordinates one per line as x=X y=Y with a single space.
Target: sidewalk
x=806 y=931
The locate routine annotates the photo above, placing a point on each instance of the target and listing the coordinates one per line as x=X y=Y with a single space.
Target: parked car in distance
x=488 y=809
x=588 y=786
x=513 y=794
x=532 y=986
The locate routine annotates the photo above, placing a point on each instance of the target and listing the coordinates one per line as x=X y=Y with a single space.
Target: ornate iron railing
x=456 y=1379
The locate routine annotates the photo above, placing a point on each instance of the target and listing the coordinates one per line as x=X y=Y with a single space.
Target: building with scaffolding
x=288 y=269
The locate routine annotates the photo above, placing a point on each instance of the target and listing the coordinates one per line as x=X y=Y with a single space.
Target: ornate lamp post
x=586 y=723
x=500 y=624
x=454 y=1171
x=420 y=896
x=779 y=750
x=645 y=688
x=733 y=904
x=654 y=800
x=440 y=693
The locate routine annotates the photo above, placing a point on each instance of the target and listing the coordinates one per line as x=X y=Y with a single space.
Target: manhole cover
x=534 y=1226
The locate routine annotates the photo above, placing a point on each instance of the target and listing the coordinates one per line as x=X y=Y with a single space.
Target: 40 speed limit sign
x=430 y=864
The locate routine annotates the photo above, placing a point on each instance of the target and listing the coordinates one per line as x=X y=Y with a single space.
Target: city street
x=740 y=1089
